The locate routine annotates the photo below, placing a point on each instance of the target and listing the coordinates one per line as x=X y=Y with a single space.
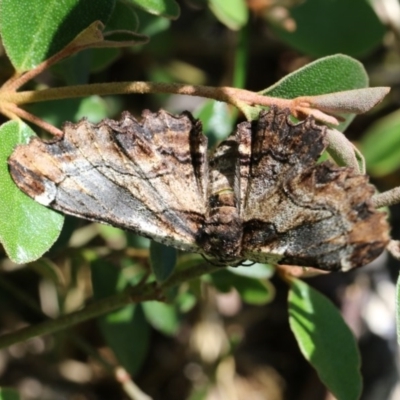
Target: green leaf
x=162 y=260
x=325 y=340
x=32 y=31
x=327 y=75
x=241 y=61
x=74 y=70
x=380 y=145
x=57 y=112
x=115 y=238
x=69 y=227
x=161 y=316
x=94 y=108
x=123 y=17
x=233 y=13
x=398 y=309
x=216 y=119
x=151 y=25
x=255 y=271
x=125 y=330
x=327 y=27
x=164 y=8
x=103 y=58
x=27 y=229
x=48 y=270
x=108 y=278
x=252 y=291
x=9 y=394
x=185 y=301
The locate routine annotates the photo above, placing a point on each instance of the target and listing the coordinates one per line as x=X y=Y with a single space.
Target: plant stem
x=388 y=198
x=229 y=95
x=91 y=311
x=122 y=376
x=19 y=112
x=135 y=294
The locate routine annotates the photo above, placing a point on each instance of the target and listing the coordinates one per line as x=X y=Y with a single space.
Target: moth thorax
x=225 y=198
x=222 y=232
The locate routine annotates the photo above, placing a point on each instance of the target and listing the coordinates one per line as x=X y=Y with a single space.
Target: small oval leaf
x=398 y=309
x=161 y=316
x=327 y=27
x=126 y=330
x=380 y=145
x=327 y=75
x=32 y=31
x=255 y=271
x=330 y=74
x=9 y=394
x=216 y=119
x=27 y=229
x=164 y=8
x=252 y=291
x=233 y=13
x=357 y=101
x=162 y=260
x=325 y=340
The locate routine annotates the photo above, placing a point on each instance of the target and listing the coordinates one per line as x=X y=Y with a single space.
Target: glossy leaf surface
x=232 y=13
x=125 y=330
x=27 y=229
x=164 y=8
x=162 y=260
x=325 y=340
x=380 y=145
x=322 y=27
x=327 y=75
x=32 y=31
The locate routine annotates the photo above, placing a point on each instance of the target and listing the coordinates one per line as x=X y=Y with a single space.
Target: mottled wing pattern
x=298 y=212
x=149 y=177
x=263 y=197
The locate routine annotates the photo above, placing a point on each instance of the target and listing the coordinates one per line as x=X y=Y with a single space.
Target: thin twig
x=394 y=248
x=93 y=310
x=388 y=198
x=130 y=388
x=19 y=80
x=34 y=120
x=227 y=94
x=149 y=291
x=122 y=377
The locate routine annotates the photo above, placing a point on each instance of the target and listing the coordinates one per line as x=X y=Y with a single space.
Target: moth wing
x=298 y=212
x=148 y=177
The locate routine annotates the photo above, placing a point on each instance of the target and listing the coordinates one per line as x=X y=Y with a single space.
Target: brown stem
x=388 y=198
x=35 y=120
x=15 y=83
x=91 y=311
x=225 y=94
x=8 y=85
x=130 y=388
x=136 y=294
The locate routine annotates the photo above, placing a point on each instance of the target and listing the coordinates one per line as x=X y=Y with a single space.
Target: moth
x=261 y=196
